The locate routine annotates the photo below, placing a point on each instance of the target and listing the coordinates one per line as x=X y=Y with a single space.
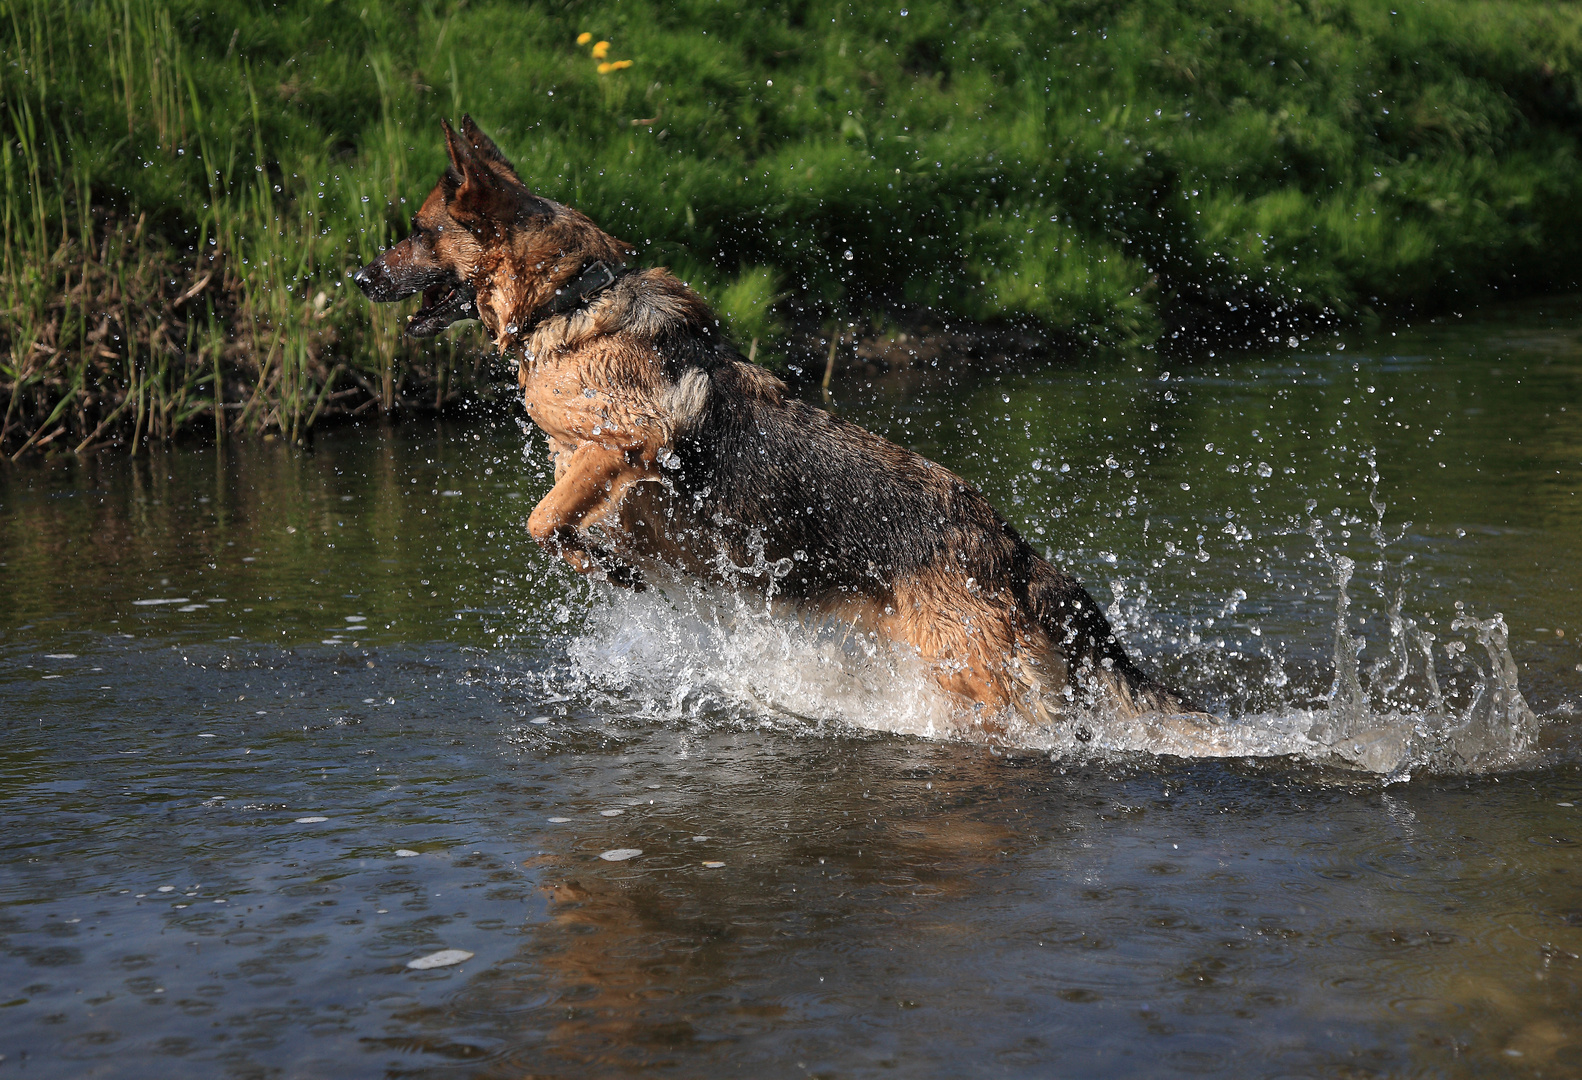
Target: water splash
x=1348 y=705
x=705 y=655
x=1498 y=721
x=711 y=656
x=1403 y=721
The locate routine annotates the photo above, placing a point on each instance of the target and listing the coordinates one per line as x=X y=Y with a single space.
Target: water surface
x=277 y=723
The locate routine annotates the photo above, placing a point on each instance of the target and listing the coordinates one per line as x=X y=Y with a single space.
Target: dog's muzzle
x=377 y=284
x=446 y=298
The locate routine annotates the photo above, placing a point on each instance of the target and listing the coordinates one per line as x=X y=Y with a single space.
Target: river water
x=278 y=723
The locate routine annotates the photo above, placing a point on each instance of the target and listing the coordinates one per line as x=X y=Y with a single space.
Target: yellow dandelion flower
x=601 y=50
x=605 y=69
x=619 y=64
x=584 y=37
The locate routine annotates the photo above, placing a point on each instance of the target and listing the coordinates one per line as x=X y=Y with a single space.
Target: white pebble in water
x=356 y=618
x=166 y=888
x=560 y=820
x=180 y=906
x=406 y=853
x=205 y=735
x=443 y=958
x=310 y=820
x=712 y=865
x=60 y=656
x=611 y=813
x=699 y=839
x=539 y=720
x=1565 y=804
x=620 y=854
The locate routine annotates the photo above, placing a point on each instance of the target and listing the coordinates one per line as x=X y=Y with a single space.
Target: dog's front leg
x=589 y=483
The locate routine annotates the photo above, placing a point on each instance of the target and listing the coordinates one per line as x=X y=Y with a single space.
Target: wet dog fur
x=674 y=454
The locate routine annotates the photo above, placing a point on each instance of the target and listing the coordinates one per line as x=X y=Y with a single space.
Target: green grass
x=1113 y=173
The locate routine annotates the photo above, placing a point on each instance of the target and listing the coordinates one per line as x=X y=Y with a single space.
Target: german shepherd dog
x=675 y=455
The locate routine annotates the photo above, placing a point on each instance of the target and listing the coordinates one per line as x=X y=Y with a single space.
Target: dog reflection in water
x=674 y=455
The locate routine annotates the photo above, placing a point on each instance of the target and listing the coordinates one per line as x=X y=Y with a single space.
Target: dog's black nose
x=374 y=281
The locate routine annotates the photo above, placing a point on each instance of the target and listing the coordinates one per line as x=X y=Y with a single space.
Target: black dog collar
x=593 y=280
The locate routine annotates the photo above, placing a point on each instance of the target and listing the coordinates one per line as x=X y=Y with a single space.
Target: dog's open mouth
x=443 y=304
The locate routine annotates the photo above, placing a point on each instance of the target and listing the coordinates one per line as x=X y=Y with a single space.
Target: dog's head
x=468 y=243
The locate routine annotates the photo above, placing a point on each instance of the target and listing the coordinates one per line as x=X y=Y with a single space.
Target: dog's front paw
x=558 y=540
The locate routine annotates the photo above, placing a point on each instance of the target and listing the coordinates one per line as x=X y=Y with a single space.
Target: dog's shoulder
x=699 y=365
x=656 y=305
x=661 y=335
x=700 y=392
x=649 y=305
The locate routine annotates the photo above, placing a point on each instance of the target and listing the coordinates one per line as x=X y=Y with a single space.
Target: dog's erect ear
x=477 y=195
x=459 y=151
x=485 y=149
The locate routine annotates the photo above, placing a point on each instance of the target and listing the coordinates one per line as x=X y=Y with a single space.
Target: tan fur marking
x=687 y=399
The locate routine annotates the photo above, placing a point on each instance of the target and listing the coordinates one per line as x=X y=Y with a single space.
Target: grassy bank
x=187 y=183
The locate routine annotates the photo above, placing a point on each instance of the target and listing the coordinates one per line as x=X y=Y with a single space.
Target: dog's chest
x=574 y=399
